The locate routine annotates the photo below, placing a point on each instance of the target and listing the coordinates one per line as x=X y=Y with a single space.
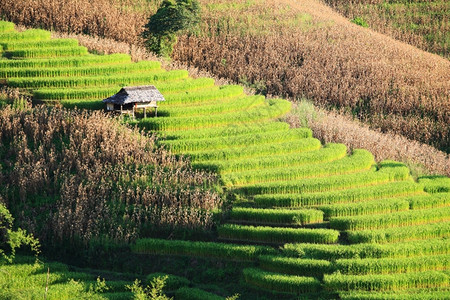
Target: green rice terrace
x=312 y=220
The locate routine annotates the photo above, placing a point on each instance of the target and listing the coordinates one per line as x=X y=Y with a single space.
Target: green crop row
x=277 y=235
x=101 y=93
x=226 y=131
x=276 y=216
x=430 y=279
x=393 y=265
x=329 y=153
x=295 y=266
x=411 y=294
x=398 y=219
x=389 y=172
x=281 y=283
x=76 y=71
x=350 y=196
x=6 y=26
x=27 y=35
x=296 y=146
x=64 y=62
x=392 y=235
x=259 y=114
x=358 y=161
x=75 y=94
x=47 y=52
x=178 y=146
x=436 y=184
x=187 y=84
x=200 y=249
x=203 y=96
x=18 y=45
x=187 y=293
x=379 y=206
x=123 y=80
x=397 y=250
x=429 y=201
x=92 y=104
x=224 y=106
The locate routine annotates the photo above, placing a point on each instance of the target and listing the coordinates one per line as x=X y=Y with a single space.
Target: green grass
x=200 y=249
x=274 y=110
x=393 y=235
x=276 y=235
x=6 y=26
x=179 y=146
x=397 y=219
x=378 y=206
x=224 y=106
x=393 y=265
x=360 y=160
x=73 y=72
x=225 y=131
x=296 y=146
x=328 y=153
x=66 y=62
x=201 y=97
x=27 y=35
x=281 y=283
x=275 y=216
x=411 y=294
x=296 y=266
x=27 y=279
x=436 y=184
x=20 y=45
x=150 y=77
x=413 y=248
x=275 y=194
x=429 y=201
x=430 y=279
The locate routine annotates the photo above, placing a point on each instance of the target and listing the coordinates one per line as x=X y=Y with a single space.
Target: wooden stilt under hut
x=131 y=98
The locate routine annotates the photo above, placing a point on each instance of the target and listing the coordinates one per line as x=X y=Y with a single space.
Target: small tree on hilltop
x=172 y=17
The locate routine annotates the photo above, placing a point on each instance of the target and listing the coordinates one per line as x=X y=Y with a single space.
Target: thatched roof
x=135 y=94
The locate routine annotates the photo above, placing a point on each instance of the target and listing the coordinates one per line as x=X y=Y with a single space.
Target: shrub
x=360 y=21
x=172 y=16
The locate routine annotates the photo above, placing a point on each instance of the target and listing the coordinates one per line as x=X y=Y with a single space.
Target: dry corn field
x=424 y=24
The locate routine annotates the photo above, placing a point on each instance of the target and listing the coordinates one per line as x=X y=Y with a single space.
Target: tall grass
x=83 y=174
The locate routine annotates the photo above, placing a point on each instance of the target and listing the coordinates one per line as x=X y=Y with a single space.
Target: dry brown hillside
x=306 y=49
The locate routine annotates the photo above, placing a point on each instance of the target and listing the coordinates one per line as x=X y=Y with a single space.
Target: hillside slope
x=305 y=49
x=346 y=225
x=423 y=24
x=285 y=48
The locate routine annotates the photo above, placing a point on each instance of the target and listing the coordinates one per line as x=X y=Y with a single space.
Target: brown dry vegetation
x=423 y=24
x=390 y=85
x=70 y=175
x=119 y=20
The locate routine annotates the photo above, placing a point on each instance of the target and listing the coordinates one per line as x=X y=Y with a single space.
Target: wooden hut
x=130 y=98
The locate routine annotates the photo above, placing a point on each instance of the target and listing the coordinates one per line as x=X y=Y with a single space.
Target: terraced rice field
x=311 y=217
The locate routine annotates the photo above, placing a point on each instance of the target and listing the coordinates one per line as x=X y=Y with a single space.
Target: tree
x=172 y=17
x=13 y=239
